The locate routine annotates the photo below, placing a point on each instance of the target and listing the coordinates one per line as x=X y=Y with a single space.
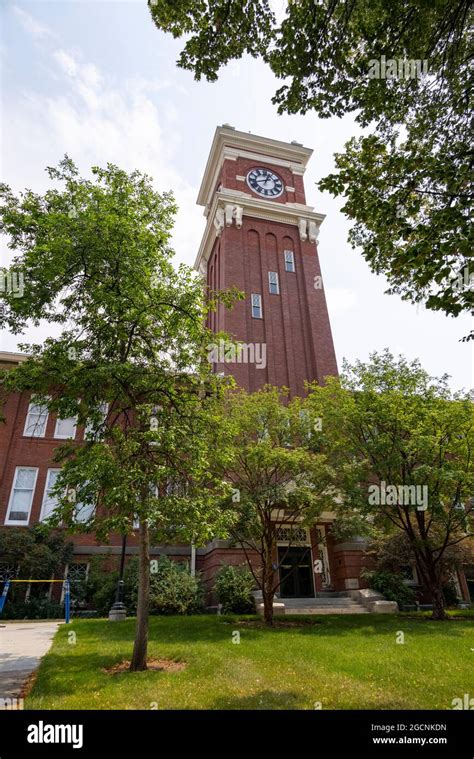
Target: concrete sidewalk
x=22 y=644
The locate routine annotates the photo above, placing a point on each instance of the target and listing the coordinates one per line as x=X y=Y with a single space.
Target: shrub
x=173 y=590
x=450 y=594
x=34 y=608
x=102 y=596
x=101 y=587
x=233 y=588
x=391 y=585
x=38 y=551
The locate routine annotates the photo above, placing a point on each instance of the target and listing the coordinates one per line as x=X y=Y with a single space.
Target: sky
x=98 y=81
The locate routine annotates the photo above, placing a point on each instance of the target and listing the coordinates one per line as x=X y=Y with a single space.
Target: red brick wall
x=347 y=564
x=17 y=450
x=215 y=559
x=295 y=324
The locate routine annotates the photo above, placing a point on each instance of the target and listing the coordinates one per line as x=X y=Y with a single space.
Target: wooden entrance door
x=296 y=572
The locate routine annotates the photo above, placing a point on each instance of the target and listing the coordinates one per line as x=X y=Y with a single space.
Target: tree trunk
x=140 y=647
x=430 y=577
x=268 y=605
x=439 y=604
x=268 y=591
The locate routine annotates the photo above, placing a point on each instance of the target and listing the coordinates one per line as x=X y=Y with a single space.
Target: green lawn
x=344 y=662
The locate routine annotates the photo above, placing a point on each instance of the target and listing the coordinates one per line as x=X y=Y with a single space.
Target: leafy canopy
x=407 y=186
x=96 y=260
x=401 y=427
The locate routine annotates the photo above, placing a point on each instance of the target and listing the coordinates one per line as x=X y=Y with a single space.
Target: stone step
x=327 y=603
x=296 y=602
x=342 y=605
x=354 y=609
x=329 y=594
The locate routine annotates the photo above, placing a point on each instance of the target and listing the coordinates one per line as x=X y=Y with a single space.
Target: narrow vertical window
x=21 y=497
x=289 y=260
x=256 y=306
x=50 y=502
x=273 y=285
x=83 y=511
x=36 y=419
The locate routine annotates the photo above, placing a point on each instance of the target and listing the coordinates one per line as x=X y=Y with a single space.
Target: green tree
x=276 y=481
x=96 y=260
x=34 y=553
x=234 y=587
x=402 y=445
x=404 y=69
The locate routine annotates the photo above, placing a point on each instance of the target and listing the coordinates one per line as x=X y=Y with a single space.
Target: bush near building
x=233 y=587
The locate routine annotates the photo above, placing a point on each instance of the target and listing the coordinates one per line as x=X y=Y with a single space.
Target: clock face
x=265 y=183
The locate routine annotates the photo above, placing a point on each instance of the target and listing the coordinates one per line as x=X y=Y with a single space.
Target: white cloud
x=31 y=25
x=139 y=84
x=66 y=62
x=95 y=122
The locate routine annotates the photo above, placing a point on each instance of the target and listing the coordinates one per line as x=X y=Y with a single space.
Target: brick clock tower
x=261 y=238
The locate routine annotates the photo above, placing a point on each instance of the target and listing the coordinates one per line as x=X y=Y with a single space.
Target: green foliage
x=233 y=587
x=407 y=186
x=324 y=49
x=259 y=450
x=450 y=594
x=34 y=608
x=276 y=481
x=222 y=30
x=391 y=585
x=37 y=553
x=101 y=586
x=174 y=590
x=410 y=202
x=397 y=426
x=96 y=260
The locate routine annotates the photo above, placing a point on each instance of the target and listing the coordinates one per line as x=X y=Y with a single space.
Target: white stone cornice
x=232 y=154
x=229 y=206
x=230 y=143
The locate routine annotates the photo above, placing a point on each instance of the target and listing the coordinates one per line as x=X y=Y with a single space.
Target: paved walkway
x=22 y=644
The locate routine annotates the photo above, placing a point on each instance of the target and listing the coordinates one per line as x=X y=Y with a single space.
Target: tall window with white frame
x=21 y=496
x=257 y=311
x=36 y=419
x=289 y=260
x=273 y=284
x=50 y=502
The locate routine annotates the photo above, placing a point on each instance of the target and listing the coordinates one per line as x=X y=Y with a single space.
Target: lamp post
x=193 y=559
x=118 y=611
